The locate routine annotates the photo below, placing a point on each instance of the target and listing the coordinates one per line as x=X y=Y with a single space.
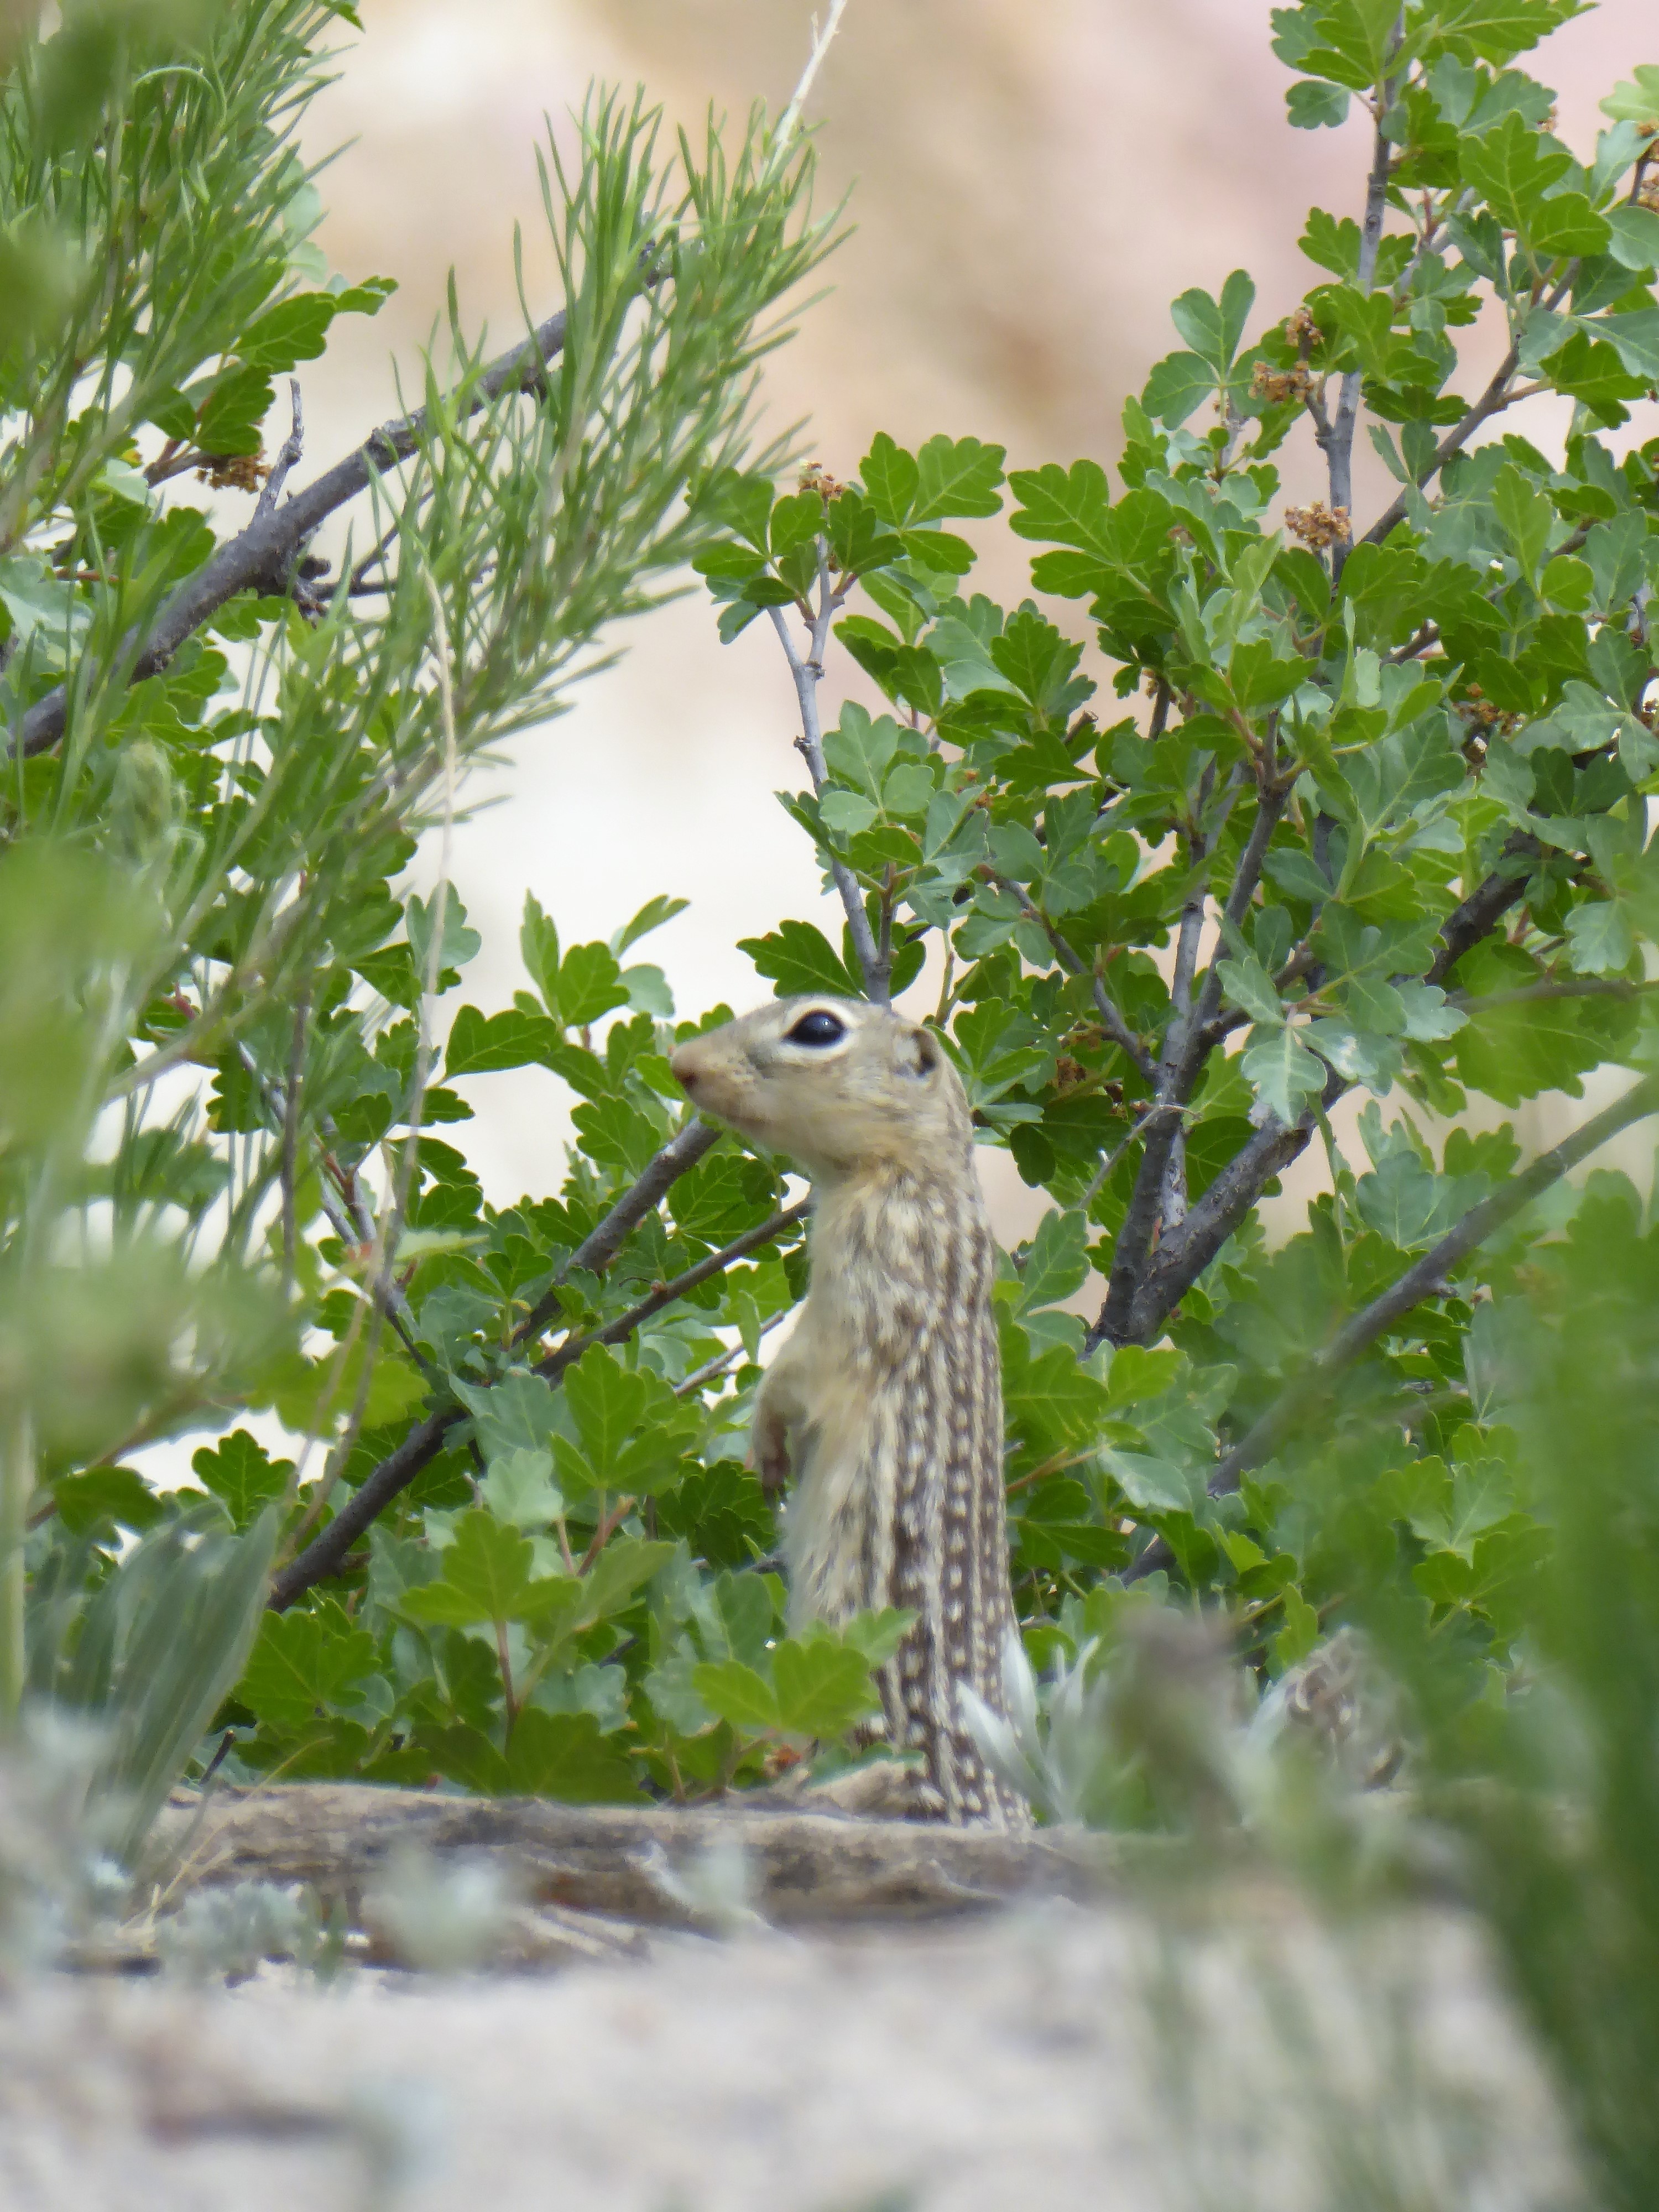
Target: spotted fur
x=885 y=1404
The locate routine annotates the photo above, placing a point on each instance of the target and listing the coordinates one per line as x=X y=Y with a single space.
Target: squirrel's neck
x=894 y=1221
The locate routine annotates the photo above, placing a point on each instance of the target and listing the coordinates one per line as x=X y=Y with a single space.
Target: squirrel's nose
x=685 y=1068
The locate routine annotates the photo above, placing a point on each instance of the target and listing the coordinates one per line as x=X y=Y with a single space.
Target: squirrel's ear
x=926 y=1053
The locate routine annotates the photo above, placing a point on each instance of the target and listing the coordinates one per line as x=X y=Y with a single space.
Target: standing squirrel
x=886 y=1401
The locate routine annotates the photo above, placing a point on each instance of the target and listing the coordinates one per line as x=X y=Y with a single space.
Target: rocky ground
x=1049 y=2053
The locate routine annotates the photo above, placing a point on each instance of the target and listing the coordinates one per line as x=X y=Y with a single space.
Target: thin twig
x=616 y=1332
x=598 y=1250
x=1492 y=402
x=326 y=1553
x=389 y=1228
x=808 y=670
x=1338 y=447
x=1103 y=1175
x=713 y=1369
x=287 y=457
x=788 y=122
x=296 y=1062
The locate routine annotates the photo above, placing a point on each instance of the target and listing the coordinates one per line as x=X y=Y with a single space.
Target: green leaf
x=744 y=504
x=590 y=984
x=1281 y=1070
x=566 y=1756
x=1514 y=167
x=651 y=917
x=242 y=1474
x=1066 y=507
x=1599 y=939
x=1407 y=1202
x=1527 y=516
x=735 y=1693
x=460 y=944
x=480 y=1046
x=518 y=1488
x=1633 y=236
x=891 y=478
x=844 y=813
x=303 y=1664
x=1250 y=988
x=860 y=749
x=1313 y=106
x=102 y=1495
x=1213 y=328
x=487 y=1577
x=607 y=1400
x=1636 y=101
x=295 y=329
x=877 y=1636
x=625 y=1565
x=230 y=411
x=1299 y=1633
x=1616 y=553
x=957 y=476
x=823 y=1688
x=538 y=943
x=1635 y=337
x=1058 y=1262
x=1178 y=384
x=797 y=958
x=1496 y=30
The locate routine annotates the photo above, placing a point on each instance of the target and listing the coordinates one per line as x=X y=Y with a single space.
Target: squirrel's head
x=836 y=1084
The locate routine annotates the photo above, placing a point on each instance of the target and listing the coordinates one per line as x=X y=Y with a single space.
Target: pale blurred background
x=1031 y=182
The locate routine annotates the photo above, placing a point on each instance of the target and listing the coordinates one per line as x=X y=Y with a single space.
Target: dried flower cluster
x=234 y=472
x=1319 y=527
x=816 y=477
x=1278 y=384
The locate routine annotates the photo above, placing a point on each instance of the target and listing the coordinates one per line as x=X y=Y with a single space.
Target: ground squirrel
x=886 y=1401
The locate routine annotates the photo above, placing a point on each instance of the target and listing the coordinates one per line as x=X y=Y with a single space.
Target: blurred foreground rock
x=1050 y=2056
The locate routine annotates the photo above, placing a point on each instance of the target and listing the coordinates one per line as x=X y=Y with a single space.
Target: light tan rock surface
x=1052 y=2057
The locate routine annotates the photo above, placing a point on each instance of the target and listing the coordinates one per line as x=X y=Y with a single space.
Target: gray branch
x=808 y=670
x=1426 y=1277
x=1338 y=447
x=260 y=557
x=1492 y=402
x=618 y=1331
x=598 y=1250
x=326 y=1554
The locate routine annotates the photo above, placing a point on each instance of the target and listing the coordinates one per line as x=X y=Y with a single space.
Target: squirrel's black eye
x=819 y=1028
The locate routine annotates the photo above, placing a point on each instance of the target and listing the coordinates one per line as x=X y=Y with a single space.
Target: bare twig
x=1492 y=402
x=328 y=1552
x=389 y=1228
x=596 y=1251
x=261 y=556
x=712 y=1370
x=665 y=1294
x=789 y=121
x=1103 y=1175
x=287 y=457
x=1269 y=808
x=808 y=670
x=1487 y=903
x=296 y=1062
x=1338 y=445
